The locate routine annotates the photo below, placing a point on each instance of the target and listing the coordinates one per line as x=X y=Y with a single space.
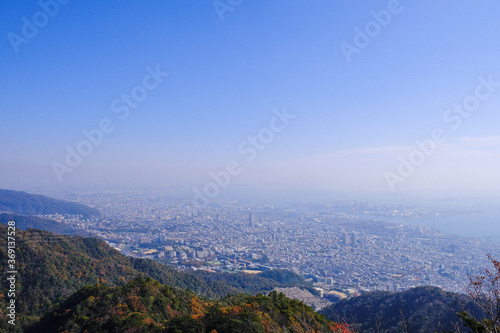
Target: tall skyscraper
x=250 y=220
x=353 y=239
x=345 y=239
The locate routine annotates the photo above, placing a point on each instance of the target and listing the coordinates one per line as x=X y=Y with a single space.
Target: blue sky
x=354 y=119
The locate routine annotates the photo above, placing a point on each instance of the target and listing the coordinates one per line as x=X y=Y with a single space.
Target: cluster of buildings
x=330 y=244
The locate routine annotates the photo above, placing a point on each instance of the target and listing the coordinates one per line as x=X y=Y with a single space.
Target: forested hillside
x=418 y=310
x=52 y=267
x=144 y=305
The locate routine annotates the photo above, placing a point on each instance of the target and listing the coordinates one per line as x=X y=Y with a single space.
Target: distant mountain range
x=23 y=203
x=25 y=222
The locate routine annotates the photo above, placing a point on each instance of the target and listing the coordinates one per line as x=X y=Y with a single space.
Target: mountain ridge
x=23 y=203
x=421 y=309
x=25 y=222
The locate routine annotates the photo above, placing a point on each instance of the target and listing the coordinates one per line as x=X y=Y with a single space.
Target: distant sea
x=485 y=224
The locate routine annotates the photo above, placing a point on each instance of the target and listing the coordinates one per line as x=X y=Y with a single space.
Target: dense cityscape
x=333 y=244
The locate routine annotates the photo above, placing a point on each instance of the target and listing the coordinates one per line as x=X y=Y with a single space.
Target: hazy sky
x=364 y=81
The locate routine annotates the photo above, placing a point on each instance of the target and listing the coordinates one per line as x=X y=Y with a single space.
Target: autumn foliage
x=144 y=305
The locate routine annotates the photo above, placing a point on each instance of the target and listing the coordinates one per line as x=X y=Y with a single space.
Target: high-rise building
x=250 y=220
x=353 y=238
x=345 y=239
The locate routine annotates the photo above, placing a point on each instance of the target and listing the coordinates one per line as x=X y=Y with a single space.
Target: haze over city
x=177 y=90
